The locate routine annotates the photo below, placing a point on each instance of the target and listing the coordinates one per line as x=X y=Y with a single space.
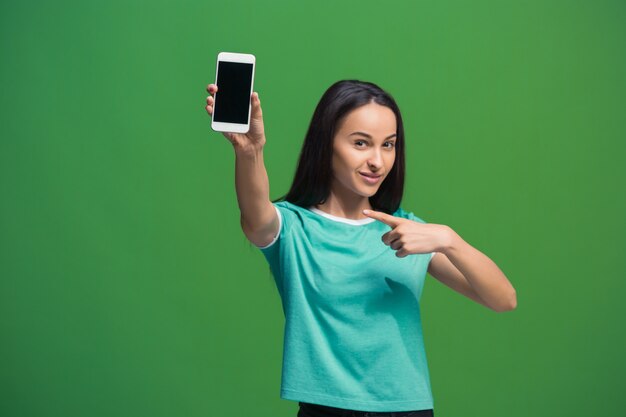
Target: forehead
x=371 y=117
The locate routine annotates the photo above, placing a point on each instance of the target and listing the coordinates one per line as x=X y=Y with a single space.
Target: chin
x=368 y=192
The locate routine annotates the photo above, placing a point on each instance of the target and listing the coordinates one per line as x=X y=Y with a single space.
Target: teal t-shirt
x=353 y=332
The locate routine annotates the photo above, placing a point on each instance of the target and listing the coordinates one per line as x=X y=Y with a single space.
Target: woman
x=349 y=262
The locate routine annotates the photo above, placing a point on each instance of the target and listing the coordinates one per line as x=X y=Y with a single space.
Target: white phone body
x=234 y=77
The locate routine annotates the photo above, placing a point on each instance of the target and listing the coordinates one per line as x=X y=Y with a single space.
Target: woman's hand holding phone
x=254 y=139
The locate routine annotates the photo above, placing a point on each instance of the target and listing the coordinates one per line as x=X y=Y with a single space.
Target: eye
x=390 y=143
x=356 y=142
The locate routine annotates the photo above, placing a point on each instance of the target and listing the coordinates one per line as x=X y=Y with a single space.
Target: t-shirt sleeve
x=285 y=219
x=280 y=225
x=273 y=251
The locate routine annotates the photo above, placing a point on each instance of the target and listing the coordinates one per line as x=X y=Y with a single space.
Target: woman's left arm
x=487 y=280
x=463 y=268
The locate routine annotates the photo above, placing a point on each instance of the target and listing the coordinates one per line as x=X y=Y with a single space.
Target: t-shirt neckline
x=354 y=222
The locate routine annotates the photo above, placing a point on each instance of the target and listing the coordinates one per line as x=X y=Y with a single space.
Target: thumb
x=256 y=105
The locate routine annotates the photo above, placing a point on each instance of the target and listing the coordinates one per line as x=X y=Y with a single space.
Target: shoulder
x=287 y=205
x=407 y=215
x=289 y=209
x=290 y=216
x=290 y=213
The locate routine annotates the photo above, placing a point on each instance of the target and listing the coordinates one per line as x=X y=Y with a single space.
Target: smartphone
x=234 y=77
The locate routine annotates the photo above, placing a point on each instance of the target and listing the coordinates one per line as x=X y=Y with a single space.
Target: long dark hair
x=312 y=180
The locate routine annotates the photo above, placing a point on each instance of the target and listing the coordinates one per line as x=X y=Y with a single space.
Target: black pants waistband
x=317 y=410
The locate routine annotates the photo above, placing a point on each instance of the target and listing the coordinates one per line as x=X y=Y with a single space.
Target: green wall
x=127 y=287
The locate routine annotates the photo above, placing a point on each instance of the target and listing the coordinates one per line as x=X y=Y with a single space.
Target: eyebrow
x=369 y=136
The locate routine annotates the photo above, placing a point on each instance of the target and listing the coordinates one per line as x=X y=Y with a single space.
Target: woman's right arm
x=259 y=220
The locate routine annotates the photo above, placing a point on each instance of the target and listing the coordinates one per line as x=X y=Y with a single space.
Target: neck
x=346 y=207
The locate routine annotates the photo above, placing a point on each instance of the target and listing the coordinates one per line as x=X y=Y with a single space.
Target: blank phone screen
x=232 y=99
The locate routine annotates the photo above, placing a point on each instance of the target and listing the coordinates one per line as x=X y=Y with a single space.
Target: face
x=364 y=150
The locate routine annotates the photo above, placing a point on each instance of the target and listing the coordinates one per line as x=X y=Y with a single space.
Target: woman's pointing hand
x=408 y=237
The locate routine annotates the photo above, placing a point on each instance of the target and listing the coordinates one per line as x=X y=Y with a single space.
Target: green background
x=127 y=287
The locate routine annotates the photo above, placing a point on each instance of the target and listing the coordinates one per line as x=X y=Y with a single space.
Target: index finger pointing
x=383 y=217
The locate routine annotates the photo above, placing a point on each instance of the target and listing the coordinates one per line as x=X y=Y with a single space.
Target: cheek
x=338 y=168
x=342 y=160
x=335 y=163
x=390 y=159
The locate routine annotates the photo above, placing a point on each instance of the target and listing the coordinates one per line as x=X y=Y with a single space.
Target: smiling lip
x=370 y=178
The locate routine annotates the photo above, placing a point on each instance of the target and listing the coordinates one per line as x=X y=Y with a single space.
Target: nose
x=375 y=160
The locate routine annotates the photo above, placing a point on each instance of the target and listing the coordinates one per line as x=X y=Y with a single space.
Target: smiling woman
x=356 y=134
x=361 y=160
x=349 y=263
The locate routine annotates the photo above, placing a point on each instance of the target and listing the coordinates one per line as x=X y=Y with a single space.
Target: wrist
x=248 y=151
x=451 y=241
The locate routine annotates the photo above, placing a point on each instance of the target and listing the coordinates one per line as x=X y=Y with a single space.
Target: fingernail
x=366 y=212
